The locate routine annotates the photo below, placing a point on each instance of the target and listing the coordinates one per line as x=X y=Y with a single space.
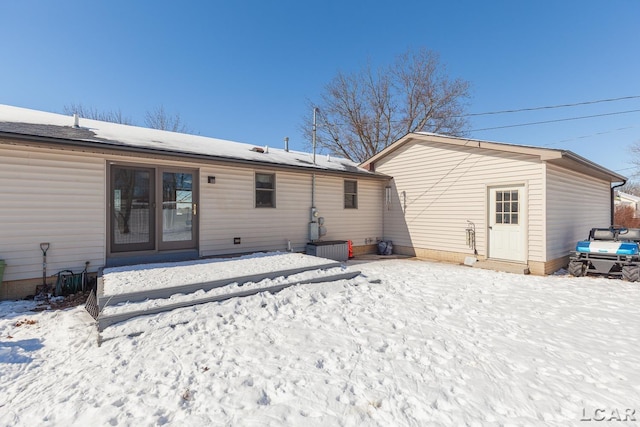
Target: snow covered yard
x=427 y=344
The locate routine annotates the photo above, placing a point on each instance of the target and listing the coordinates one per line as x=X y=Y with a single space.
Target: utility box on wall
x=314 y=231
x=337 y=250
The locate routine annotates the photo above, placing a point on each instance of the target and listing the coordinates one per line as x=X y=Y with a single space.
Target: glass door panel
x=132 y=209
x=178 y=209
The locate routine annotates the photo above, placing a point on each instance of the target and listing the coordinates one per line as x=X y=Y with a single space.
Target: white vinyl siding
x=50 y=196
x=361 y=226
x=227 y=211
x=59 y=196
x=575 y=204
x=437 y=187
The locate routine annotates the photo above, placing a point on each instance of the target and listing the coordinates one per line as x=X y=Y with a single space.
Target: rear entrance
x=152 y=209
x=507 y=219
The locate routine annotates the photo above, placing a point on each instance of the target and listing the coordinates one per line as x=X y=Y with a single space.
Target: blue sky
x=244 y=70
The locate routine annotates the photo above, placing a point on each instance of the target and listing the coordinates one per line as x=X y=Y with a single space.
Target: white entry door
x=507 y=219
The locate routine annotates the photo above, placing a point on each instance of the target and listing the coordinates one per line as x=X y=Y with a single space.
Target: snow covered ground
x=118 y=280
x=409 y=343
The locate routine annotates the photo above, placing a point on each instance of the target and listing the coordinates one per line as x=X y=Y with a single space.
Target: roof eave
x=386 y=151
x=603 y=172
x=101 y=145
x=544 y=154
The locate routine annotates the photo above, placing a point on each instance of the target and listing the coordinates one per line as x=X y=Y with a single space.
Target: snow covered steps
x=125 y=293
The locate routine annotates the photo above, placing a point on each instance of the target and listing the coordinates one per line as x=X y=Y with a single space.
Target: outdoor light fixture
x=211 y=179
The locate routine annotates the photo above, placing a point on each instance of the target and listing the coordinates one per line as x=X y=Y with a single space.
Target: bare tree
x=93 y=113
x=630 y=187
x=158 y=118
x=625 y=216
x=364 y=112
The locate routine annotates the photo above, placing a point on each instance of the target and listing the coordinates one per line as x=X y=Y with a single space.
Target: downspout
x=313 y=143
x=613 y=196
x=313 y=212
x=313 y=191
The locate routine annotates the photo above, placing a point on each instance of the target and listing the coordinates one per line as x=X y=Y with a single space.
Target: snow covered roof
x=15 y=121
x=564 y=158
x=622 y=196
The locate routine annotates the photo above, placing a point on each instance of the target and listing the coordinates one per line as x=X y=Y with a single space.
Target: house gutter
x=616 y=178
x=589 y=163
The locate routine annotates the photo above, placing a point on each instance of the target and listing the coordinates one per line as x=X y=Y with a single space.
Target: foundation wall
x=549 y=267
x=535 y=267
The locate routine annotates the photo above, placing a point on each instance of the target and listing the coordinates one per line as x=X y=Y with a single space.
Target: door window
x=132 y=209
x=140 y=223
x=177 y=206
x=507 y=207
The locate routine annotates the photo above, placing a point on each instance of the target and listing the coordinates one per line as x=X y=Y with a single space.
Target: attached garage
x=451 y=198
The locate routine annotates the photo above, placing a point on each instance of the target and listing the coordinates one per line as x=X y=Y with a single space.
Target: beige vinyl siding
x=50 y=196
x=447 y=185
x=575 y=204
x=227 y=211
x=59 y=196
x=362 y=225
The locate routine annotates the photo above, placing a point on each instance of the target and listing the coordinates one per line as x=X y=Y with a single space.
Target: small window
x=507 y=207
x=351 y=194
x=265 y=190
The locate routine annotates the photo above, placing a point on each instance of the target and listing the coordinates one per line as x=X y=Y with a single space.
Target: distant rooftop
x=627 y=196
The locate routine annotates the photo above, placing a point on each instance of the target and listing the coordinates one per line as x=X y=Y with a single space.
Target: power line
x=626 y=169
x=549 y=107
x=587 y=136
x=557 y=120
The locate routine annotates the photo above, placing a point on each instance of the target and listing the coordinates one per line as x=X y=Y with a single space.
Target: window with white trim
x=350 y=194
x=265 y=190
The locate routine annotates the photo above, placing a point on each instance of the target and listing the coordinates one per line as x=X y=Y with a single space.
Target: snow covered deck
x=127 y=292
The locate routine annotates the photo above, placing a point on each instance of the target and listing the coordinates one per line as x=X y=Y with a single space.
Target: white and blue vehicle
x=609 y=251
